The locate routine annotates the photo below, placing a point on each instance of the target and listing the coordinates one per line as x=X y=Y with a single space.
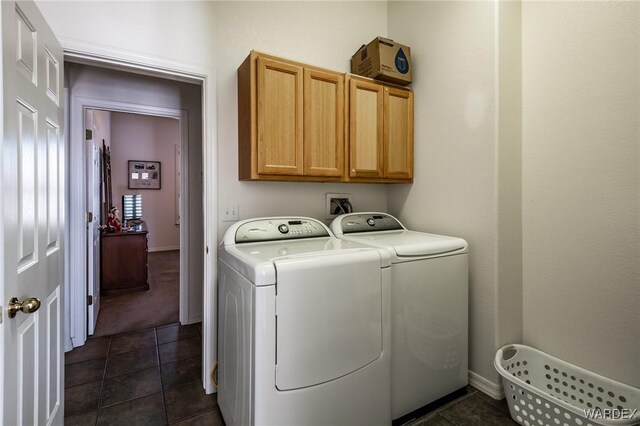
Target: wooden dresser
x=123 y=264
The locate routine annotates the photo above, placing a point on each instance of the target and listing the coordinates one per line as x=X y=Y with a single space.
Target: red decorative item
x=113 y=221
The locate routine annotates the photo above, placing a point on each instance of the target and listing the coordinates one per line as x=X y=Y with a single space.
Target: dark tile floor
x=152 y=377
x=143 y=377
x=474 y=408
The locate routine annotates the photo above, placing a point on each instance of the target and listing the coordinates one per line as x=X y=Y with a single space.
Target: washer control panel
x=275 y=229
x=368 y=222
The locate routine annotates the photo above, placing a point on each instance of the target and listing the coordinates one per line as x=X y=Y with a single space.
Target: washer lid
x=411 y=243
x=385 y=231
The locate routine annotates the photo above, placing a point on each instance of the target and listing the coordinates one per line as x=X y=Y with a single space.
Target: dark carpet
x=142 y=309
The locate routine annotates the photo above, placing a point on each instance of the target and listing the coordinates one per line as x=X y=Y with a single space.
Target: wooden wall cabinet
x=380 y=132
x=366 y=123
x=303 y=123
x=398 y=133
x=290 y=121
x=323 y=123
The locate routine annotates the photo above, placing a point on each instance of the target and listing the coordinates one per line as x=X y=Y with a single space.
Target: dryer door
x=329 y=316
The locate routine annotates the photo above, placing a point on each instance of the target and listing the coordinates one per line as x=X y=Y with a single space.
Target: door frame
x=98 y=55
x=77 y=194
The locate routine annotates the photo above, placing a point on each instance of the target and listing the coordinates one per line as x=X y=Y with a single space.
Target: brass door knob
x=28 y=306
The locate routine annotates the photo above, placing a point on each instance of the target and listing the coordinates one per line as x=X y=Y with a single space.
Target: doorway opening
x=136 y=121
x=134 y=165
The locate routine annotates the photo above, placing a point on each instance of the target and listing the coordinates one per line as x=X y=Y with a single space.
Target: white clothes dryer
x=304 y=327
x=429 y=308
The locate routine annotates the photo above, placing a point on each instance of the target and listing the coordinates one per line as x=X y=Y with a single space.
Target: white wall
x=581 y=188
x=149 y=138
x=455 y=183
x=177 y=30
x=319 y=33
x=509 y=141
x=99 y=83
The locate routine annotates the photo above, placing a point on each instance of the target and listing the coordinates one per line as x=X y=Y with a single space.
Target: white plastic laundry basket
x=542 y=390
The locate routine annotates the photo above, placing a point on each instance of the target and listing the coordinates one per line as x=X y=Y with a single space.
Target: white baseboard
x=486 y=386
x=76 y=342
x=168 y=248
x=194 y=319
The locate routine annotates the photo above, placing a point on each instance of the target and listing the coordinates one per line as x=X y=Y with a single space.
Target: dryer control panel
x=368 y=222
x=279 y=228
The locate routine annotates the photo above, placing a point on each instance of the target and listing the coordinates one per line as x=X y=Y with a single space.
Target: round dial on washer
x=371 y=222
x=283 y=228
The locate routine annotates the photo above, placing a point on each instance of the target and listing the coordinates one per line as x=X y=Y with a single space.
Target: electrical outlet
x=337 y=204
x=230 y=212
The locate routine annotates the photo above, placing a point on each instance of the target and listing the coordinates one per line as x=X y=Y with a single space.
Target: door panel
x=54 y=151
x=26 y=51
x=279 y=118
x=328 y=316
x=365 y=129
x=33 y=167
x=53 y=353
x=323 y=123
x=53 y=77
x=398 y=133
x=94 y=205
x=27 y=370
x=26 y=161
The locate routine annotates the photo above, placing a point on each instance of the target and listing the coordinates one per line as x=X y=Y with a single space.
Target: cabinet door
x=124 y=262
x=365 y=129
x=323 y=123
x=279 y=118
x=398 y=133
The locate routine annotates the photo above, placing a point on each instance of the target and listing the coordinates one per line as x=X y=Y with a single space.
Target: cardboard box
x=383 y=59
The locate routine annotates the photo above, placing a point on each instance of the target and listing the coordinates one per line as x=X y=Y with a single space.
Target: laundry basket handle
x=508 y=352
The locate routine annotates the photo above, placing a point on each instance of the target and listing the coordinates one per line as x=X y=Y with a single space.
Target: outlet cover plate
x=230 y=212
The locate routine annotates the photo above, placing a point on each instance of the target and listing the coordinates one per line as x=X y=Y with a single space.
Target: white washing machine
x=304 y=326
x=429 y=307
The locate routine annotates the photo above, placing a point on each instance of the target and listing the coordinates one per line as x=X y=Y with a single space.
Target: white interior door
x=94 y=202
x=32 y=209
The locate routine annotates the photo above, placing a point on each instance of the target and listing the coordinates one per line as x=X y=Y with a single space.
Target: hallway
x=144 y=377
x=126 y=311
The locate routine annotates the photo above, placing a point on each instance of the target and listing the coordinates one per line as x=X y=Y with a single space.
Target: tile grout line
x=164 y=401
x=199 y=382
x=192 y=416
x=104 y=373
x=128 y=352
x=136 y=330
x=130 y=400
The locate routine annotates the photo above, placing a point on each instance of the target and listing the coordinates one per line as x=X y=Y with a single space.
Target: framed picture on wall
x=144 y=174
